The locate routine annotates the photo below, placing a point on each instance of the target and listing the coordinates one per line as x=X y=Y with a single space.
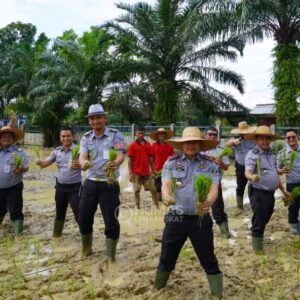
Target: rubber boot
x=161 y=279
x=225 y=230
x=294 y=228
x=257 y=245
x=216 y=285
x=58 y=227
x=239 y=202
x=1 y=219
x=87 y=241
x=111 y=247
x=18 y=227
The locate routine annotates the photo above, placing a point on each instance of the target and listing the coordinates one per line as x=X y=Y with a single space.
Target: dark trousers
x=262 y=204
x=241 y=180
x=199 y=231
x=107 y=196
x=11 y=199
x=294 y=206
x=217 y=208
x=157 y=183
x=65 y=194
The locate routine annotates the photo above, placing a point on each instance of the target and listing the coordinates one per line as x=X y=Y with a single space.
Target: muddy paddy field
x=35 y=266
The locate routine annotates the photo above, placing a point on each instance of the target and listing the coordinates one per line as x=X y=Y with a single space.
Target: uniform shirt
x=184 y=171
x=216 y=152
x=161 y=152
x=7 y=176
x=97 y=149
x=242 y=149
x=140 y=155
x=294 y=175
x=269 y=180
x=64 y=174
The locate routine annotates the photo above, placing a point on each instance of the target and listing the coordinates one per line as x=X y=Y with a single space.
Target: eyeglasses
x=212 y=134
x=292 y=137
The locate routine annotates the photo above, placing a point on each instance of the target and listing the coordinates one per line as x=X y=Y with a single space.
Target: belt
x=98 y=179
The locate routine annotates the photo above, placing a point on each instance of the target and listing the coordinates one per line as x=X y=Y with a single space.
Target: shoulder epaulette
x=58 y=148
x=175 y=156
x=255 y=150
x=88 y=133
x=113 y=130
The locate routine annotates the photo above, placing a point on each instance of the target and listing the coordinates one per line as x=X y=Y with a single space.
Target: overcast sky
x=54 y=16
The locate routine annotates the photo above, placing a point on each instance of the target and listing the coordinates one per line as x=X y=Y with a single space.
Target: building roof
x=263 y=109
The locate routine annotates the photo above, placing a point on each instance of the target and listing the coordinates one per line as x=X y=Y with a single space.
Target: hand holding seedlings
x=85 y=165
x=202 y=185
x=111 y=166
x=255 y=178
x=168 y=200
x=237 y=141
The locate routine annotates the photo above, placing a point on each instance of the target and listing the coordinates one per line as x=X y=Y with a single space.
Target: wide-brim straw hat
x=168 y=132
x=17 y=133
x=262 y=131
x=191 y=134
x=243 y=128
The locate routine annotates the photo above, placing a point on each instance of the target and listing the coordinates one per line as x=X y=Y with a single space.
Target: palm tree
x=279 y=19
x=174 y=46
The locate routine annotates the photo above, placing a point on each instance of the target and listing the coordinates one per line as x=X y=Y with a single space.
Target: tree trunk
x=286 y=81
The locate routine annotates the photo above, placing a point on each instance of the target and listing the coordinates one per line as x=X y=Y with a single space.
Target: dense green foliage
x=279 y=19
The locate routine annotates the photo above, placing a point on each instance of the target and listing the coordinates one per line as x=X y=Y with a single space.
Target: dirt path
x=37 y=267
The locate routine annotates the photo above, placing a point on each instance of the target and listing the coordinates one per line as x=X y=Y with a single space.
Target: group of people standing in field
x=156 y=168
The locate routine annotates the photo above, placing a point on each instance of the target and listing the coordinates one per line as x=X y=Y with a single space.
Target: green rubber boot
x=216 y=285
x=86 y=241
x=111 y=247
x=18 y=227
x=161 y=279
x=1 y=219
x=58 y=227
x=225 y=230
x=240 y=202
x=257 y=245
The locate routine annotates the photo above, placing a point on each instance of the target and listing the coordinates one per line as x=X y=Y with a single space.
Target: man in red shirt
x=140 y=159
x=161 y=152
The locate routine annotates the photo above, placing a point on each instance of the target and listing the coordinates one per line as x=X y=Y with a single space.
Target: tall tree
x=174 y=46
x=279 y=19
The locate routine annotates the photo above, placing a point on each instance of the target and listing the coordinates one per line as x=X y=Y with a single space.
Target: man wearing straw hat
x=11 y=176
x=261 y=171
x=161 y=151
x=94 y=157
x=241 y=148
x=183 y=220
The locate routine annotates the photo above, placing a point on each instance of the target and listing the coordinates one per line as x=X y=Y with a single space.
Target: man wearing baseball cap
x=94 y=157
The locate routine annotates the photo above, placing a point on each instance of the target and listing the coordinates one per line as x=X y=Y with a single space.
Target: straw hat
x=17 y=133
x=262 y=131
x=154 y=134
x=190 y=134
x=243 y=128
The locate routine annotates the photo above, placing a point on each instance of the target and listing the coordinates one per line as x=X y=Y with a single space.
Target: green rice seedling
x=75 y=152
x=226 y=152
x=37 y=152
x=202 y=185
x=110 y=174
x=293 y=157
x=258 y=165
x=293 y=195
x=157 y=174
x=17 y=163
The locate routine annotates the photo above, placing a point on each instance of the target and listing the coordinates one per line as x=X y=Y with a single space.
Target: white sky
x=55 y=16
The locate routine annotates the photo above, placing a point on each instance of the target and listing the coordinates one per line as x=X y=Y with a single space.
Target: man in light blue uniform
x=183 y=220
x=261 y=171
x=11 y=184
x=292 y=176
x=241 y=148
x=217 y=208
x=68 y=179
x=94 y=155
